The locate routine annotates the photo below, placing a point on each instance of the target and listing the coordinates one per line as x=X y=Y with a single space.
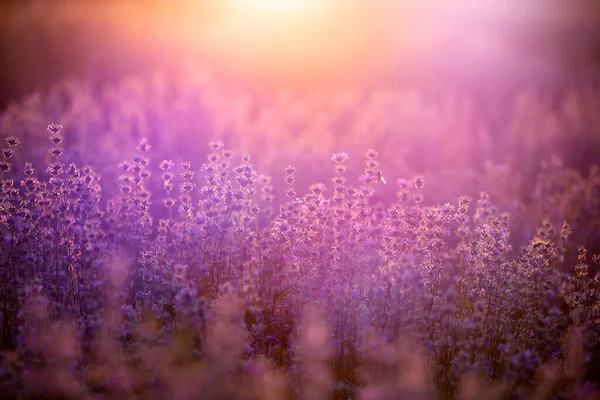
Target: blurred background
x=486 y=46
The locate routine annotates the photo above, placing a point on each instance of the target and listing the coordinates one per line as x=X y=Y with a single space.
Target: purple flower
x=12 y=141
x=54 y=128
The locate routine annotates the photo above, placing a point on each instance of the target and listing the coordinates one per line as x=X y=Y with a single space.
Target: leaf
x=467 y=305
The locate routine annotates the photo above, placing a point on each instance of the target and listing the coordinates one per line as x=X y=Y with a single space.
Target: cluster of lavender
x=189 y=281
x=452 y=130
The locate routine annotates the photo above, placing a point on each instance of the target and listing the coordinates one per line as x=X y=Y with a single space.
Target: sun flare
x=285 y=40
x=278 y=8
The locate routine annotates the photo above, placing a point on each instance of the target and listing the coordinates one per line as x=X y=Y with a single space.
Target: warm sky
x=316 y=41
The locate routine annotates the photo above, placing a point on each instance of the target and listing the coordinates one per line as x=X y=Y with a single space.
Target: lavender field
x=181 y=235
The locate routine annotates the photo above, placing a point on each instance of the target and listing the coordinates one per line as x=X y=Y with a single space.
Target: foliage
x=210 y=280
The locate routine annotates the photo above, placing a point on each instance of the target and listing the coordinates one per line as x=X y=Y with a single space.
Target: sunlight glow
x=294 y=39
x=278 y=8
x=327 y=41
